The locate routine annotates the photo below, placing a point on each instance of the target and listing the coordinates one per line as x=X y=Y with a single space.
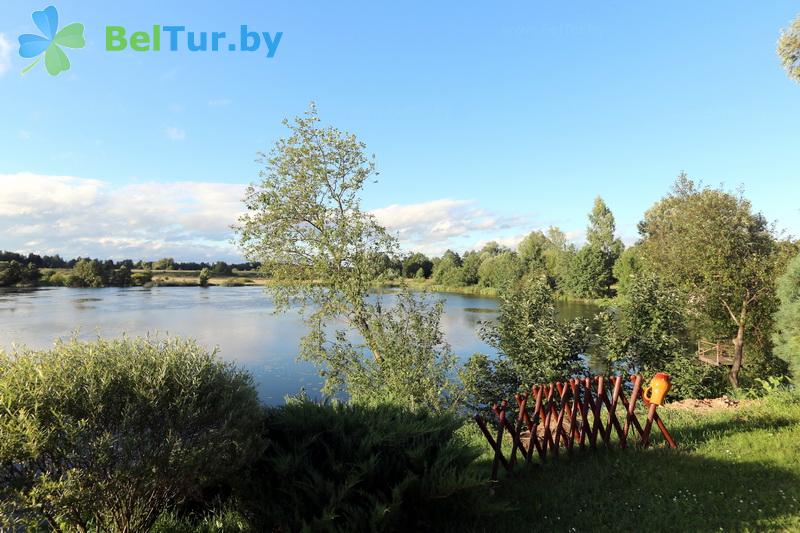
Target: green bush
x=360 y=468
x=107 y=435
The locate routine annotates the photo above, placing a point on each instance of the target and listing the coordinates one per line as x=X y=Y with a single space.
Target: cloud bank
x=75 y=216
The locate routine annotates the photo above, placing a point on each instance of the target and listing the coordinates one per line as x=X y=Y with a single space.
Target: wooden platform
x=714 y=353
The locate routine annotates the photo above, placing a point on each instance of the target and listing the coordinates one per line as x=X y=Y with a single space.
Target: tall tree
x=304 y=223
x=711 y=244
x=787 y=336
x=789 y=49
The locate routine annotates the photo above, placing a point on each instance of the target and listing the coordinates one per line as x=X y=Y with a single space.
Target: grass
x=736 y=469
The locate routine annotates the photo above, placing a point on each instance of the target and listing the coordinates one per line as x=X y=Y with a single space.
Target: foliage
x=588 y=274
x=649 y=329
x=591 y=271
x=532 y=251
x=415 y=364
x=534 y=345
x=142 y=278
x=360 y=468
x=709 y=243
x=499 y=270
x=789 y=49
x=87 y=273
x=787 y=336
x=304 y=222
x=106 y=435
x=626 y=267
x=487 y=380
x=202 y=277
x=13 y=273
x=416 y=262
x=692 y=378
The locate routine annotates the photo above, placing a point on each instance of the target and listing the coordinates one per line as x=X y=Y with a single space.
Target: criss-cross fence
x=563 y=414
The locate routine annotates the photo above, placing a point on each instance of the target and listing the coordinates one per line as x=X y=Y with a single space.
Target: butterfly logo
x=55 y=60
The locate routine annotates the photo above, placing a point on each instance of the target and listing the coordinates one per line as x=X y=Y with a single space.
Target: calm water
x=237 y=320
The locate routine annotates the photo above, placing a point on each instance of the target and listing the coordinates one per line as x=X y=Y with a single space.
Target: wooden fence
x=570 y=413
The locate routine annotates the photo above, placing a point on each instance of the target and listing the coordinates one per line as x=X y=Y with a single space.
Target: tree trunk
x=738 y=352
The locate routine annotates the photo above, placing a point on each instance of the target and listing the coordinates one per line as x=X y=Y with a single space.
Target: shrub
x=106 y=435
x=359 y=468
x=416 y=361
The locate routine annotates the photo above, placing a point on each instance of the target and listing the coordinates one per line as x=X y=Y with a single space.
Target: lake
x=240 y=321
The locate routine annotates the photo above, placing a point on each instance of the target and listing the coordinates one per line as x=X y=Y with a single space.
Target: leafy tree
x=10 y=273
x=588 y=274
x=651 y=328
x=499 y=270
x=470 y=265
x=416 y=261
x=558 y=257
x=122 y=277
x=87 y=273
x=710 y=244
x=166 y=263
x=221 y=268
x=787 y=336
x=448 y=271
x=304 y=221
x=202 y=278
x=600 y=237
x=789 y=49
x=535 y=346
x=626 y=268
x=416 y=359
x=532 y=251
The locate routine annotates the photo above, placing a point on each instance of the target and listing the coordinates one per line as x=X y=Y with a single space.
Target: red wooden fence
x=568 y=413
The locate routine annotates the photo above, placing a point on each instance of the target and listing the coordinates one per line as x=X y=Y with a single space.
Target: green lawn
x=736 y=469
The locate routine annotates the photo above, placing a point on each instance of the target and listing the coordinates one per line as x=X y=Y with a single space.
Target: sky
x=486 y=122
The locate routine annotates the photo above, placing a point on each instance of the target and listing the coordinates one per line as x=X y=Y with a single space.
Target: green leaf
x=55 y=60
x=71 y=36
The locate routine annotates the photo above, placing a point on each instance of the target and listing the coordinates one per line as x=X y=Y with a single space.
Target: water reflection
x=239 y=321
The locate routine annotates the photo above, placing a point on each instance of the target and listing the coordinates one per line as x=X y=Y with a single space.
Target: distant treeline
x=30 y=270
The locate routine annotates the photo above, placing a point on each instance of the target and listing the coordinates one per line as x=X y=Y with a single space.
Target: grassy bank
x=736 y=469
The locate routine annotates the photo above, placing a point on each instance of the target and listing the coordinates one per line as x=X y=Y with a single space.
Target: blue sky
x=486 y=122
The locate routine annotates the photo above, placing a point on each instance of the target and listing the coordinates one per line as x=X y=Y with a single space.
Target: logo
x=49 y=44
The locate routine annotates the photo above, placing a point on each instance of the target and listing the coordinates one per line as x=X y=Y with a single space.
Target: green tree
x=10 y=273
x=122 y=277
x=710 y=244
x=470 y=265
x=789 y=49
x=166 y=263
x=416 y=261
x=499 y=270
x=600 y=237
x=447 y=270
x=532 y=251
x=304 y=221
x=626 y=268
x=538 y=346
x=558 y=257
x=415 y=363
x=87 y=273
x=202 y=277
x=588 y=274
x=787 y=335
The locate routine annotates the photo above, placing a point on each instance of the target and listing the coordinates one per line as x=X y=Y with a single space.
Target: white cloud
x=5 y=54
x=192 y=220
x=175 y=134
x=432 y=227
x=78 y=216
